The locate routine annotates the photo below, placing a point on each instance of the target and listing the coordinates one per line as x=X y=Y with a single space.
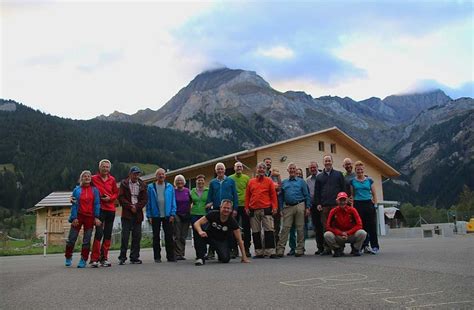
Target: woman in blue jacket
x=85 y=213
x=161 y=211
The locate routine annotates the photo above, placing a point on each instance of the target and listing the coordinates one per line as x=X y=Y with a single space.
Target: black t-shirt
x=217 y=229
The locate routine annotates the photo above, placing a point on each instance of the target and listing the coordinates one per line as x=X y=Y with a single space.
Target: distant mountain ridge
x=242 y=108
x=215 y=103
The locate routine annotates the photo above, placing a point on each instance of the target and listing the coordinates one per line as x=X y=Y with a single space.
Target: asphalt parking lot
x=407 y=274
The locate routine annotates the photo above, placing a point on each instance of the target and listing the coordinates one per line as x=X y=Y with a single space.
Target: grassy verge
x=35 y=247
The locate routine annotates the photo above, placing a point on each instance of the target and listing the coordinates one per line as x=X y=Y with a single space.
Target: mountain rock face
x=241 y=107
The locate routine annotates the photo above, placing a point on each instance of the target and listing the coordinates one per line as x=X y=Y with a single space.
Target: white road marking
x=442 y=304
x=410 y=300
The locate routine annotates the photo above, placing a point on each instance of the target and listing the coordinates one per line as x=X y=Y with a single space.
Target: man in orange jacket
x=260 y=204
x=344 y=226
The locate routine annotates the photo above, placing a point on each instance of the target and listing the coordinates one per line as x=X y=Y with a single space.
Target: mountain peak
x=418 y=94
x=215 y=78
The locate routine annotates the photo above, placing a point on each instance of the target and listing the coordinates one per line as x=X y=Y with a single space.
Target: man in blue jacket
x=161 y=211
x=222 y=187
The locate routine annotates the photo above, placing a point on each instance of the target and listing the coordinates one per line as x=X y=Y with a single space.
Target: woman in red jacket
x=84 y=214
x=108 y=190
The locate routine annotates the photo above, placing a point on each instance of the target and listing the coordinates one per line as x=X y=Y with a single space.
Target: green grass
x=35 y=247
x=9 y=167
x=146 y=168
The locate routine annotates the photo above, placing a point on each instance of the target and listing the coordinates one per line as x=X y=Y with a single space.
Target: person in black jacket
x=326 y=187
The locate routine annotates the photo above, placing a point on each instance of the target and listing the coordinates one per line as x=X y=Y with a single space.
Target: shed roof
x=55 y=199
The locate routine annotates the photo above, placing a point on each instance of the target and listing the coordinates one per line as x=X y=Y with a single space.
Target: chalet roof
x=55 y=199
x=336 y=133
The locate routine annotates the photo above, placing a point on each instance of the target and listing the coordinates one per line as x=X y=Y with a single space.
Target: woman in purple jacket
x=183 y=216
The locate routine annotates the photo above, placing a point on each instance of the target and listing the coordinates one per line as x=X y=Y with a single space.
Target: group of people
x=229 y=215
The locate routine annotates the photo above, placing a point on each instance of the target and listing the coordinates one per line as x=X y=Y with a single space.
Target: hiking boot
x=325 y=252
x=211 y=254
x=82 y=263
x=94 y=264
x=68 y=262
x=199 y=262
x=338 y=253
x=105 y=263
x=233 y=254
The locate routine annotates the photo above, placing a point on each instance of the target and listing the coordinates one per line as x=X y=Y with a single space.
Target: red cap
x=341 y=195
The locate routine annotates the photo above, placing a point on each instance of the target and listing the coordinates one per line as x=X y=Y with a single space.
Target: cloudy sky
x=82 y=59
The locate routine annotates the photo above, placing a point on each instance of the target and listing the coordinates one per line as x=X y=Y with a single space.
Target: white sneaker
x=94 y=264
x=105 y=263
x=199 y=262
x=368 y=250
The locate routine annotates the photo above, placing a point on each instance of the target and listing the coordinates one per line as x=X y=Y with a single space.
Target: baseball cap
x=135 y=169
x=342 y=195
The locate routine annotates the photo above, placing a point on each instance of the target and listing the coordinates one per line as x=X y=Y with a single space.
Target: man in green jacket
x=241 y=181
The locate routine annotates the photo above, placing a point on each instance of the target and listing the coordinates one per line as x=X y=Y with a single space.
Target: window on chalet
x=321 y=146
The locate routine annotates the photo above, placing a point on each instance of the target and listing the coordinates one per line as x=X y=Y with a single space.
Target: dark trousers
x=277 y=225
x=324 y=216
x=194 y=219
x=244 y=221
x=87 y=222
x=318 y=228
x=221 y=247
x=103 y=233
x=156 y=223
x=134 y=227
x=368 y=215
x=181 y=229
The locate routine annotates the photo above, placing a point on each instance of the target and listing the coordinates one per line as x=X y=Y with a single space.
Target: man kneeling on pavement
x=344 y=226
x=218 y=227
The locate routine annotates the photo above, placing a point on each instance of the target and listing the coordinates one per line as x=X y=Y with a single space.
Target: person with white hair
x=183 y=216
x=241 y=180
x=108 y=190
x=85 y=211
x=161 y=211
x=222 y=187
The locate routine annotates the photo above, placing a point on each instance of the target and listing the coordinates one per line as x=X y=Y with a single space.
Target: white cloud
x=84 y=59
x=396 y=65
x=276 y=52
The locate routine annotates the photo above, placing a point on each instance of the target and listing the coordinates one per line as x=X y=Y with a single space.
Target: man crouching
x=220 y=224
x=344 y=226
